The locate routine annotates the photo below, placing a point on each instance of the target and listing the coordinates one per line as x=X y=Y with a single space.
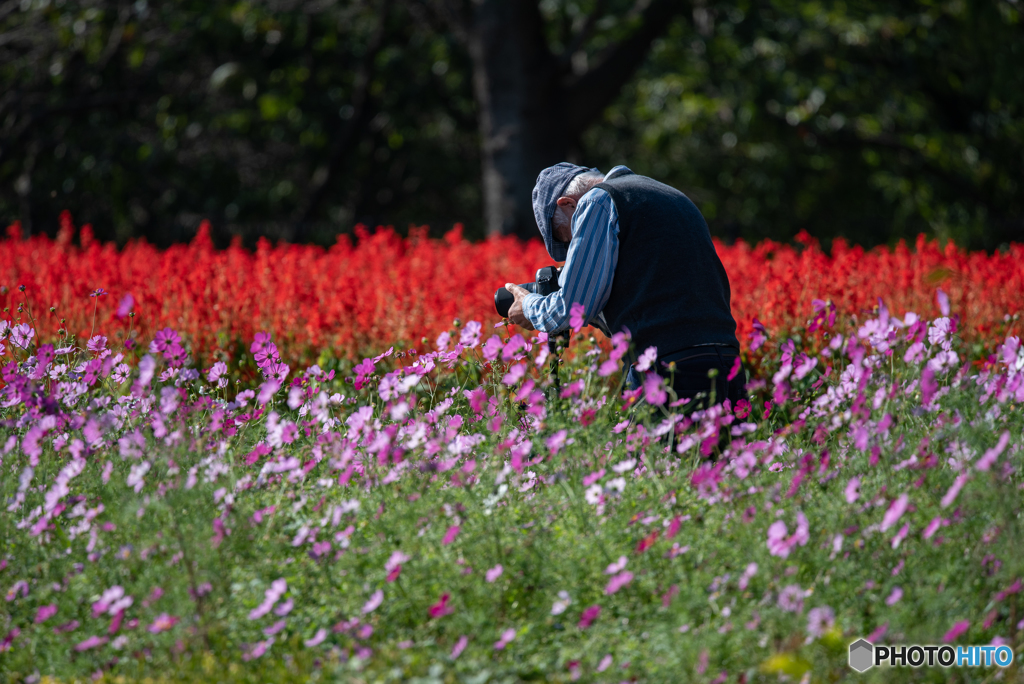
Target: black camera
x=546 y=283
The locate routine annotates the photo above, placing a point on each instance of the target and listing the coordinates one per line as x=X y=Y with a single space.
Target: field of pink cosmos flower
x=449 y=513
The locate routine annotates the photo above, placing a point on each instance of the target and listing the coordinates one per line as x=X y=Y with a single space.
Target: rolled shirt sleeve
x=589 y=266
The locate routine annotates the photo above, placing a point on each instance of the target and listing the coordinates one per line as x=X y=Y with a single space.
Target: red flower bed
x=365 y=294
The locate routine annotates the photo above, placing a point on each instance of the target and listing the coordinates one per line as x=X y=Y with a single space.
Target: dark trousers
x=690 y=377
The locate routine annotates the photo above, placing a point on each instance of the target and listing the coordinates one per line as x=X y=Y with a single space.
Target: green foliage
x=144 y=118
x=628 y=484
x=872 y=121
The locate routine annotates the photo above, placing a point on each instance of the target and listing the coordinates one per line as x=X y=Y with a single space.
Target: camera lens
x=503 y=300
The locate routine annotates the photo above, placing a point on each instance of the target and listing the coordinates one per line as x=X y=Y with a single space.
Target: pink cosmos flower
x=943 y=300
x=450 y=535
x=915 y=353
x=91 y=642
x=901 y=535
x=593 y=477
x=561 y=603
x=515 y=343
x=277 y=589
x=5 y=644
x=932 y=528
x=777 y=544
x=45 y=613
x=556 y=441
x=284 y=608
x=316 y=639
x=588 y=616
x=154 y=596
x=277 y=371
x=491 y=348
x=803 y=528
x=791 y=599
x=805 y=365
x=514 y=375
x=703 y=658
x=896 y=595
x=879 y=632
x=617 y=582
x=275 y=628
x=441 y=608
x=162 y=623
x=375 y=600
x=896 y=509
x=257 y=649
x=956 y=631
x=576 y=316
x=19 y=587
x=735 y=370
x=112 y=601
x=654 y=394
x=851 y=492
x=67 y=627
x=748 y=574
x=820 y=620
x=605 y=663
x=267 y=390
x=506 y=638
x=758 y=336
x=929 y=386
x=124 y=307
x=22 y=334
x=395 y=560
x=646 y=360
x=459 y=646
x=1007 y=351
x=954 y=489
x=166 y=339
x=617 y=566
x=217 y=373
x=262 y=348
x=990 y=456
x=494 y=573
x=470 y=336
x=320 y=549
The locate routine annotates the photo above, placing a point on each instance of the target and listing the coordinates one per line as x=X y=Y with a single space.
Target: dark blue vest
x=670 y=289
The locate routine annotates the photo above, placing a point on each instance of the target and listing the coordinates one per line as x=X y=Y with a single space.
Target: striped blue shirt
x=589 y=267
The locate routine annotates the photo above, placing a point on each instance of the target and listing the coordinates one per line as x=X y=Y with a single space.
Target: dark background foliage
x=296 y=119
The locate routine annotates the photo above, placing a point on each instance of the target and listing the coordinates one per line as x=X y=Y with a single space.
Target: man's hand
x=515 y=312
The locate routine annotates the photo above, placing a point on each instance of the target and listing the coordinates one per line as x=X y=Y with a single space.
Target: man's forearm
x=549 y=319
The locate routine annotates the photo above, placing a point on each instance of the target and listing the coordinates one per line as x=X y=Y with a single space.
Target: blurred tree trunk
x=517 y=83
x=533 y=105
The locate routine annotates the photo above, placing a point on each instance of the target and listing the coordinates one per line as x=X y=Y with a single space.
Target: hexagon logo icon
x=861 y=655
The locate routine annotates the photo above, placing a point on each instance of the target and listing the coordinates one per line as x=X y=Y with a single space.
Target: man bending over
x=639 y=252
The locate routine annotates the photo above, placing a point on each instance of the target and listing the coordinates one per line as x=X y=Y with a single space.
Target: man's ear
x=566 y=202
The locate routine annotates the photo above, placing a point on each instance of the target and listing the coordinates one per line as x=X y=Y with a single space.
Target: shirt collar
x=619 y=170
